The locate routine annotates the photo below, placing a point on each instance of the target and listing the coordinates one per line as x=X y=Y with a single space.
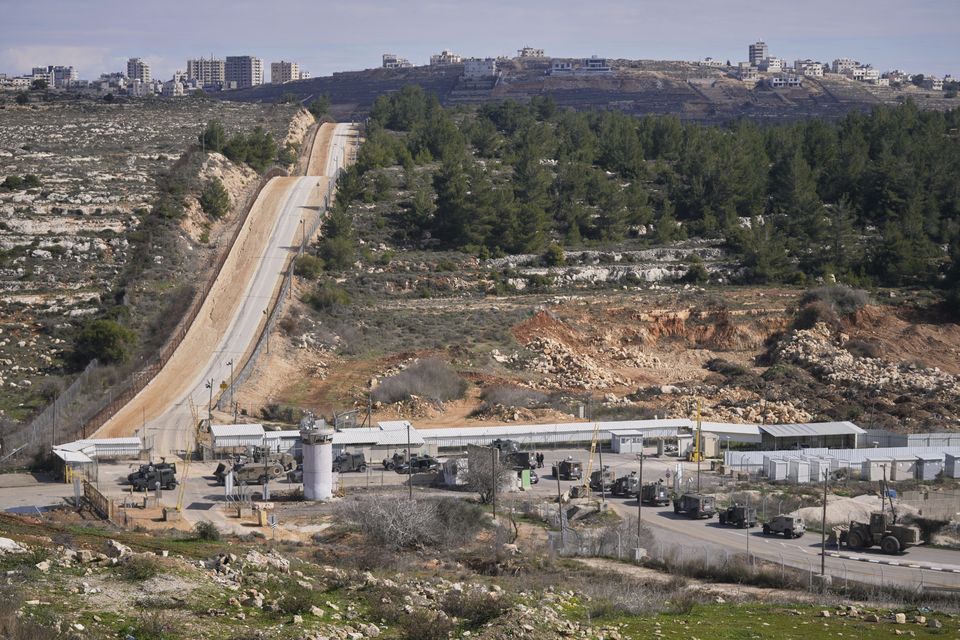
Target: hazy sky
x=920 y=36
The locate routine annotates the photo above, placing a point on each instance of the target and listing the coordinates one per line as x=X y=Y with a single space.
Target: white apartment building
x=207 y=72
x=710 y=62
x=530 y=52
x=173 y=89
x=282 y=72
x=844 y=65
x=747 y=72
x=785 y=81
x=137 y=69
x=594 y=64
x=808 y=68
x=242 y=72
x=757 y=52
x=932 y=83
x=59 y=76
x=393 y=61
x=772 y=65
x=561 y=66
x=478 y=68
x=445 y=58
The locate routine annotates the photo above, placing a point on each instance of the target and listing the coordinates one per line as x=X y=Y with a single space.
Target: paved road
x=162 y=411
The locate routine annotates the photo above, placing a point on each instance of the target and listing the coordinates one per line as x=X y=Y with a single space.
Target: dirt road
x=231 y=317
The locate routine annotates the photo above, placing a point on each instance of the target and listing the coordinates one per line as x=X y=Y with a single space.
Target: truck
x=505 y=446
x=605 y=476
x=152 y=475
x=346 y=462
x=695 y=505
x=418 y=464
x=739 y=516
x=789 y=526
x=519 y=460
x=655 y=493
x=882 y=530
x=149 y=467
x=626 y=486
x=254 y=469
x=394 y=461
x=568 y=469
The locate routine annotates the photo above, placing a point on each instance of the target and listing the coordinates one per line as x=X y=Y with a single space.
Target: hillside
x=637 y=87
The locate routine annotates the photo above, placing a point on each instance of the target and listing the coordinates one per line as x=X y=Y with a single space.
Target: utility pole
x=603 y=497
x=210 y=401
x=823 y=532
x=231 y=390
x=640 y=494
x=493 y=478
x=409 y=464
x=563 y=536
x=53 y=437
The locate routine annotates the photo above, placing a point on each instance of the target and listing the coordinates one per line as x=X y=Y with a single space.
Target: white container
x=799 y=471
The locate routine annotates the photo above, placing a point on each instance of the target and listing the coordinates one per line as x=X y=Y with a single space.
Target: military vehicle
x=150 y=476
x=394 y=461
x=346 y=462
x=605 y=475
x=146 y=468
x=419 y=464
x=567 y=469
x=534 y=478
x=253 y=470
x=505 y=446
x=655 y=493
x=695 y=505
x=789 y=526
x=519 y=460
x=882 y=530
x=626 y=486
x=739 y=516
x=295 y=476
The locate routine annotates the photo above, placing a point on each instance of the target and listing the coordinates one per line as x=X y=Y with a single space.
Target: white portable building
x=777 y=469
x=799 y=471
x=874 y=469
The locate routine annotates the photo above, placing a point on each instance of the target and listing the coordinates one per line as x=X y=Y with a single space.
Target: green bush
x=308 y=266
x=429 y=378
x=553 y=256
x=206 y=530
x=338 y=253
x=213 y=137
x=214 y=199
x=327 y=295
x=103 y=339
x=139 y=568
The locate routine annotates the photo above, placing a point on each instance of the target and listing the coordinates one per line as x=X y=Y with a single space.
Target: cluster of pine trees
x=873 y=198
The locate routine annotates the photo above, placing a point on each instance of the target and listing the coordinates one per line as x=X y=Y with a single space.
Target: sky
x=97 y=36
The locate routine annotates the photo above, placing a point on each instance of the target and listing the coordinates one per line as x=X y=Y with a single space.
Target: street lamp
x=209 y=386
x=230 y=364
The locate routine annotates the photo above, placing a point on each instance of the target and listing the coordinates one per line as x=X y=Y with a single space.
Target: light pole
x=823 y=532
x=409 y=464
x=231 y=390
x=640 y=493
x=209 y=386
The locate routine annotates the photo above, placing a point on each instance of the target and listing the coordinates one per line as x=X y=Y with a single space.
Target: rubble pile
x=735 y=406
x=568 y=368
x=821 y=351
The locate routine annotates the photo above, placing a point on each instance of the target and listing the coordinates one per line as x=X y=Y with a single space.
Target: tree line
x=871 y=199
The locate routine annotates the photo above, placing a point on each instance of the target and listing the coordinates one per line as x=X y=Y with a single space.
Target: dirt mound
x=724 y=335
x=545 y=325
x=900 y=339
x=661 y=324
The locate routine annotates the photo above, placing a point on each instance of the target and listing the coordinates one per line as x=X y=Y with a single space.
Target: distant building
x=594 y=64
x=898 y=76
x=207 y=72
x=710 y=62
x=393 y=61
x=445 y=58
x=173 y=89
x=747 y=72
x=580 y=66
x=139 y=89
x=112 y=81
x=844 y=65
x=479 y=68
x=808 y=68
x=771 y=65
x=281 y=72
x=785 y=81
x=560 y=67
x=56 y=77
x=242 y=72
x=530 y=52
x=932 y=83
x=757 y=52
x=137 y=69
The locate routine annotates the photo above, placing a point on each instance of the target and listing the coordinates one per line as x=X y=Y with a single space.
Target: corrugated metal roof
x=729 y=427
x=813 y=429
x=375 y=436
x=236 y=430
x=392 y=425
x=287 y=434
x=502 y=430
x=398 y=437
x=72 y=457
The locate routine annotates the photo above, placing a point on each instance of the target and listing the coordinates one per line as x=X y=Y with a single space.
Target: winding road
x=233 y=315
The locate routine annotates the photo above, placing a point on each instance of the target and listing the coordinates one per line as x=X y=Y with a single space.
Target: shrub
x=206 y=530
x=308 y=266
x=398 y=523
x=214 y=199
x=22 y=98
x=139 y=568
x=841 y=299
x=696 y=273
x=327 y=295
x=553 y=256
x=426 y=625
x=863 y=348
x=814 y=313
x=103 y=339
x=511 y=397
x=429 y=378
x=213 y=137
x=479 y=607
x=338 y=252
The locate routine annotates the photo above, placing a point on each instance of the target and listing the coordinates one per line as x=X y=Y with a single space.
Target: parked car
x=419 y=464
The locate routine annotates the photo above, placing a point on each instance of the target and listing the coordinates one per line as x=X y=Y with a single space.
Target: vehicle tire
x=798 y=535
x=723 y=518
x=788 y=533
x=854 y=540
x=890 y=545
x=766 y=530
x=676 y=509
x=389 y=466
x=362 y=468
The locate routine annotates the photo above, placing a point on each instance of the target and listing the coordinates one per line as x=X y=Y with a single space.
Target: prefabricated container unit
x=777 y=469
x=951 y=466
x=874 y=469
x=819 y=466
x=902 y=468
x=799 y=471
x=928 y=467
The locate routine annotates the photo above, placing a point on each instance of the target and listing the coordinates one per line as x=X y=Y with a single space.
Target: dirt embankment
x=238 y=180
